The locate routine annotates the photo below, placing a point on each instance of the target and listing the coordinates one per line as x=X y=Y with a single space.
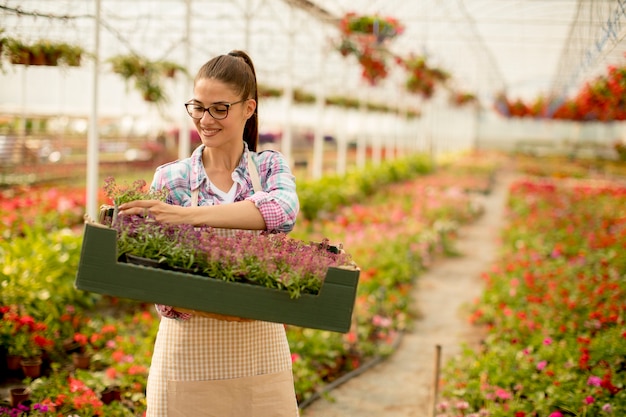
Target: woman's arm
x=239 y=215
x=274 y=209
x=278 y=202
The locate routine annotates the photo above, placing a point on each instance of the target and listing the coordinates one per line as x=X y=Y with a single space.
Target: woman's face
x=225 y=132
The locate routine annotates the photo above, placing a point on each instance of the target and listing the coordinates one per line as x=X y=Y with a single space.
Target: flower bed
x=554 y=307
x=421 y=216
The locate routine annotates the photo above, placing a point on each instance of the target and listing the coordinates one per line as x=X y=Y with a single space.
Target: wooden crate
x=99 y=271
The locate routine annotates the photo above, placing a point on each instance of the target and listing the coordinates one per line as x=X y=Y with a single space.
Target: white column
x=342 y=142
x=286 y=142
x=184 y=136
x=93 y=138
x=361 y=139
x=320 y=104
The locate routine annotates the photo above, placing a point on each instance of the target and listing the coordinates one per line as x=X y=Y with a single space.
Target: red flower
x=43 y=342
x=608 y=385
x=81 y=339
x=27 y=321
x=583 y=361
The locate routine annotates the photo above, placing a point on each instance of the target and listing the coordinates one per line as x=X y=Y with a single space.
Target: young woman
x=208 y=364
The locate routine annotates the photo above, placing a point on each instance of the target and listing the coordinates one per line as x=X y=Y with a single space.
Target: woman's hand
x=215 y=316
x=158 y=210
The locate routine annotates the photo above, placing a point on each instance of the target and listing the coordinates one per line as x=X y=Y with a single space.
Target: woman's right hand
x=215 y=316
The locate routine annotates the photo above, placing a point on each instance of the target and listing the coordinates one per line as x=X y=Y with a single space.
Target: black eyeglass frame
x=208 y=109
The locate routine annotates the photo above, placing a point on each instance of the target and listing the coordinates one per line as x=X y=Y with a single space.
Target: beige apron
x=268 y=395
x=212 y=367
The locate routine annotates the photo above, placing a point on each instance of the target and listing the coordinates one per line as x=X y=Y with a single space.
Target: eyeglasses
x=217 y=111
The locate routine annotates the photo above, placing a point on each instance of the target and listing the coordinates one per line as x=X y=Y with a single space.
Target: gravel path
x=402 y=385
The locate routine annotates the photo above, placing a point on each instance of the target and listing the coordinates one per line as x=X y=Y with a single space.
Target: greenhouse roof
x=525 y=48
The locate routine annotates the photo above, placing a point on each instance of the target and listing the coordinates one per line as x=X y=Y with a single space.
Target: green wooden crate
x=100 y=272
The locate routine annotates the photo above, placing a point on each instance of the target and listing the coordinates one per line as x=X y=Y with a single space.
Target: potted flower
x=267 y=91
x=18 y=52
x=29 y=351
x=119 y=194
x=3 y=40
x=423 y=78
x=145 y=74
x=44 y=52
x=169 y=68
x=364 y=36
x=70 y=55
x=128 y=66
x=150 y=89
x=380 y=27
x=82 y=357
x=18 y=395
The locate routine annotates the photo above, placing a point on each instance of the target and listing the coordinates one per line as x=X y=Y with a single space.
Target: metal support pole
x=93 y=139
x=184 y=136
x=286 y=142
x=433 y=408
x=320 y=104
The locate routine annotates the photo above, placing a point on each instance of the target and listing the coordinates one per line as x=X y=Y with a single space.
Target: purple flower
x=271 y=260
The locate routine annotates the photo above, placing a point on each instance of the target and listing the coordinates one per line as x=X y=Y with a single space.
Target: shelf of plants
x=102 y=270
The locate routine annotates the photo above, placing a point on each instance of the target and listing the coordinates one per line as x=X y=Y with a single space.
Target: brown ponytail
x=237 y=70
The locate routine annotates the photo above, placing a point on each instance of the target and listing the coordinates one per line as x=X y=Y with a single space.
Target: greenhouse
x=439 y=210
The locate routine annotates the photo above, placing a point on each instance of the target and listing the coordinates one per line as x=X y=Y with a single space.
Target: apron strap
x=254 y=176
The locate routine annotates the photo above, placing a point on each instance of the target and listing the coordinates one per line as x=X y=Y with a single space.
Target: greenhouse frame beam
x=575 y=65
x=314 y=10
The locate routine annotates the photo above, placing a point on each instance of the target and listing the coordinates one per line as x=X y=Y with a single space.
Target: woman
x=208 y=364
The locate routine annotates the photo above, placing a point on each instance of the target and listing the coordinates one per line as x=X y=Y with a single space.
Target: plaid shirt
x=278 y=202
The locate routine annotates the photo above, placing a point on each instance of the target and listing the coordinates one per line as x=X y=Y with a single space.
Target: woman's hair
x=236 y=69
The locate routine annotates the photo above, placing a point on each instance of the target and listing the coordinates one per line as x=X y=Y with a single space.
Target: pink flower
x=556 y=414
x=503 y=394
x=589 y=400
x=462 y=405
x=607 y=408
x=547 y=341
x=380 y=321
x=594 y=381
x=541 y=365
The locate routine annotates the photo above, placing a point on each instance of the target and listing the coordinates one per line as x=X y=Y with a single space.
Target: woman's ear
x=250 y=107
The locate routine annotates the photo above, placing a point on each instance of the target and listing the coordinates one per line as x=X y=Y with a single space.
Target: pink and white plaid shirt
x=278 y=202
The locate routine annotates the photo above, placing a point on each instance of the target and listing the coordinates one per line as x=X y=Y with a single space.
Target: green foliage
x=391 y=231
x=38 y=271
x=318 y=198
x=554 y=307
x=124 y=193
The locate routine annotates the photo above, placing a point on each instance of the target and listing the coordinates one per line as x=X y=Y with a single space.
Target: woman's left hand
x=158 y=210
